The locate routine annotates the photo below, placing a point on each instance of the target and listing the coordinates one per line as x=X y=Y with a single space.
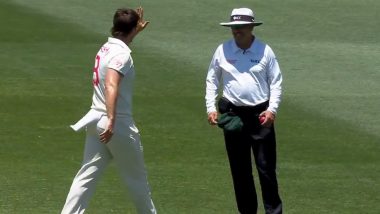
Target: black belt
x=225 y=105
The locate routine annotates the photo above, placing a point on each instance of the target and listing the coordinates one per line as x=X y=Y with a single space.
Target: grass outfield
x=327 y=129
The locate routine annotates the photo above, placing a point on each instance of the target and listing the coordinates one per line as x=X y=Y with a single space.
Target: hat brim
x=229 y=24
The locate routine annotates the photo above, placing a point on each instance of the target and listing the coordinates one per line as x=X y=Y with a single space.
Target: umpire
x=247 y=71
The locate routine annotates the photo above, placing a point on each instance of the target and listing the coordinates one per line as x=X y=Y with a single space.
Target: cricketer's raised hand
x=141 y=24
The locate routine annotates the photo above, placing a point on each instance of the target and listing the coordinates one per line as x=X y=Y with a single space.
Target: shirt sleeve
x=275 y=82
x=212 y=82
x=121 y=63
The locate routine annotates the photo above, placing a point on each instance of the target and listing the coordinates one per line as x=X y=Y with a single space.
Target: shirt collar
x=236 y=49
x=119 y=42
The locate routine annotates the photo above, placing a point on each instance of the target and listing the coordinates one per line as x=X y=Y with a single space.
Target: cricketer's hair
x=124 y=21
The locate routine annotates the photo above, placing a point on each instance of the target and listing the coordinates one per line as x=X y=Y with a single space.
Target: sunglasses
x=239 y=26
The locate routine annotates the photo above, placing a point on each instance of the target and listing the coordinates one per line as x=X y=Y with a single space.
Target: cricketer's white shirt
x=248 y=77
x=116 y=55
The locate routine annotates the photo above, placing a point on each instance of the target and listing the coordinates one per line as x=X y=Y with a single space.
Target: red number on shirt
x=95 y=77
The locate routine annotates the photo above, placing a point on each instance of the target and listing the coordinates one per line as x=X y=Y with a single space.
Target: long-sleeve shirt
x=247 y=77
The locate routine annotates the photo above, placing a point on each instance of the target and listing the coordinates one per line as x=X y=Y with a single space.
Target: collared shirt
x=248 y=77
x=114 y=54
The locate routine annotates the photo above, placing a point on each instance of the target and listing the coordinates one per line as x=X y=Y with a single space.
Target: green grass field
x=327 y=128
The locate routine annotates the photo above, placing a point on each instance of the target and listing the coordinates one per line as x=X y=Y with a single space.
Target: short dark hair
x=124 y=21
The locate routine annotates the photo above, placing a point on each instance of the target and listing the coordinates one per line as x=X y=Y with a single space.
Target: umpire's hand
x=269 y=118
x=213 y=118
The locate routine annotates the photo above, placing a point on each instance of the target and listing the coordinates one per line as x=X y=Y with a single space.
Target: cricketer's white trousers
x=126 y=151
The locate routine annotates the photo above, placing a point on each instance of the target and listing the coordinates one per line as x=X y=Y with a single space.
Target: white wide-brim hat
x=242 y=16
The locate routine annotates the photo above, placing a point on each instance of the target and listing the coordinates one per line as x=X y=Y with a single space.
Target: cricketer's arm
x=112 y=82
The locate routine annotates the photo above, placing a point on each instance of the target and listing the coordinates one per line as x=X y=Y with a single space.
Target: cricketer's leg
x=127 y=151
x=95 y=159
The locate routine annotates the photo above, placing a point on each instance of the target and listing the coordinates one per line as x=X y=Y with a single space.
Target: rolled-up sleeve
x=121 y=63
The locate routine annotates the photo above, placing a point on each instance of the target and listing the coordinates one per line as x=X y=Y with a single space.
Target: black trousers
x=240 y=145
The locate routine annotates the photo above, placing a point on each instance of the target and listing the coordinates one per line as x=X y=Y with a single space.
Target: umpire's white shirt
x=116 y=55
x=248 y=77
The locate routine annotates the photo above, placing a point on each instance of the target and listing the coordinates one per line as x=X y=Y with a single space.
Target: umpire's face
x=242 y=32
